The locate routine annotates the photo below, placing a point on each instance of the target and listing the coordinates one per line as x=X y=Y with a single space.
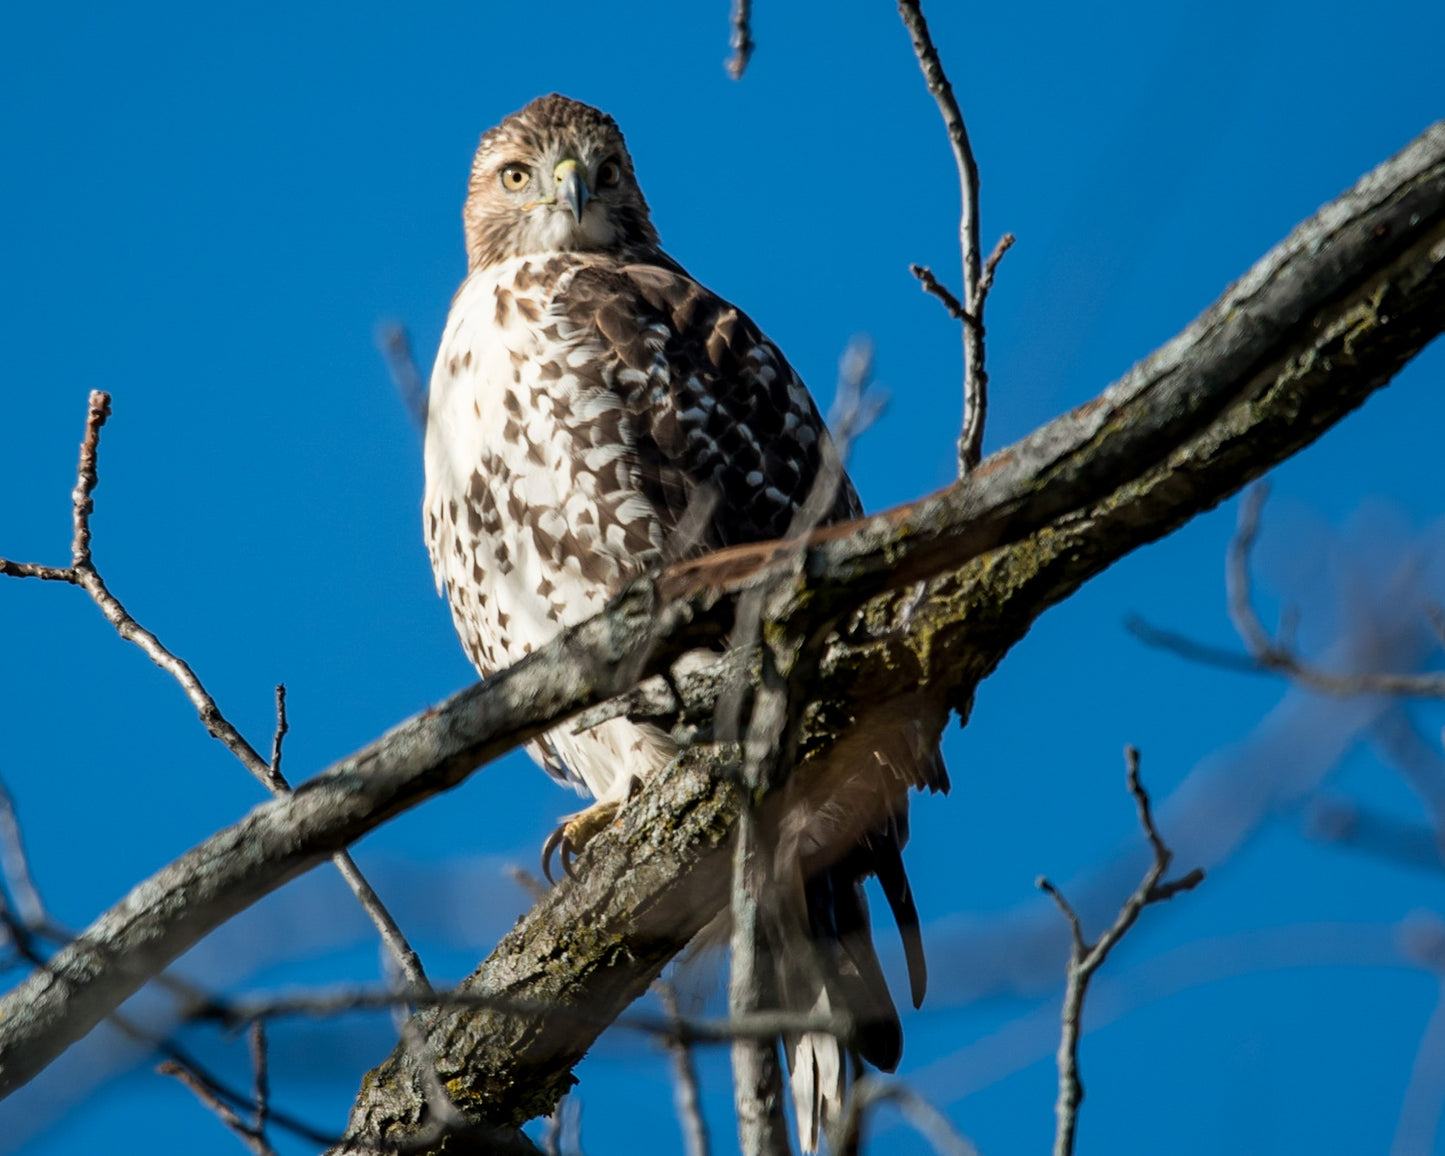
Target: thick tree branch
x=943 y=588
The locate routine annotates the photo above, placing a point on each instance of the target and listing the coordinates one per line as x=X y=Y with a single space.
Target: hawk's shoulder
x=713 y=403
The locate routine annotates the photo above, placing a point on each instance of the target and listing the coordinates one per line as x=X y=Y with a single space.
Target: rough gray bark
x=932 y=594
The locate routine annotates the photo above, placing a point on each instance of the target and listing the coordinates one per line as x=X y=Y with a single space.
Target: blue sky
x=207 y=211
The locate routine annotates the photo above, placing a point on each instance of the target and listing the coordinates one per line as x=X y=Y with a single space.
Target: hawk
x=586 y=395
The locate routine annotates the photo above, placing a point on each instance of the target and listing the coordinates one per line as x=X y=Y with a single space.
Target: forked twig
x=871 y=1091
x=1086 y=958
x=219 y=1099
x=1276 y=655
x=977 y=275
x=82 y=572
x=254 y=1140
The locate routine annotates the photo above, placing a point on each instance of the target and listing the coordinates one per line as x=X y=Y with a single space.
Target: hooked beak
x=571 y=188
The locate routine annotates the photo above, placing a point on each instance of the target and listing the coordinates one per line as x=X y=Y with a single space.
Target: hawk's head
x=555 y=177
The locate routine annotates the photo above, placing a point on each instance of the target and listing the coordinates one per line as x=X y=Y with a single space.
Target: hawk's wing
x=709 y=402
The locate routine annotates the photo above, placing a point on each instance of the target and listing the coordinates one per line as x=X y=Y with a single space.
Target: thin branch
x=990 y=270
x=1436 y=613
x=1418 y=1124
x=15 y=878
x=393 y=938
x=330 y=1003
x=927 y=1120
x=1086 y=958
x=253 y=1137
x=32 y=921
x=757 y=1071
x=1384 y=837
x=931 y=284
x=261 y=1080
x=1191 y=649
x=976 y=281
x=973 y=317
x=82 y=502
x=35 y=922
x=394 y=343
x=1421 y=940
x=277 y=782
x=687 y=1094
x=238 y=1101
x=741 y=40
x=552 y=1137
x=1266 y=655
x=82 y=572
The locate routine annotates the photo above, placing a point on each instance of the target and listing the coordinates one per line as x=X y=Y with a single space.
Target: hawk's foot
x=576 y=831
x=574 y=834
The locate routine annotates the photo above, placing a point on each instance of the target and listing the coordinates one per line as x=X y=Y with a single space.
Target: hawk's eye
x=515 y=178
x=608 y=174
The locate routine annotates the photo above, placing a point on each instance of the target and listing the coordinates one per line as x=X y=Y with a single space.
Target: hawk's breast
x=532 y=517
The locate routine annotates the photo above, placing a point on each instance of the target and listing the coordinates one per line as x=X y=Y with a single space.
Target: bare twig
x=956 y=310
x=932 y=285
x=261 y=1081
x=552 y=1137
x=330 y=1003
x=252 y=1136
x=1420 y=1109
x=686 y=1092
x=82 y=572
x=277 y=782
x=1266 y=655
x=757 y=1073
x=990 y=269
x=394 y=342
x=31 y=921
x=1423 y=941
x=238 y=1101
x=1086 y=958
x=932 y=1124
x=977 y=279
x=1348 y=824
x=15 y=878
x=741 y=40
x=1418 y=759
x=528 y=882
x=1436 y=613
x=228 y=1104
x=566 y=1117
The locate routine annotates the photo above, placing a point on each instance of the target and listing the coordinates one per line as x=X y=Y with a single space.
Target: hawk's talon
x=553 y=841
x=576 y=831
